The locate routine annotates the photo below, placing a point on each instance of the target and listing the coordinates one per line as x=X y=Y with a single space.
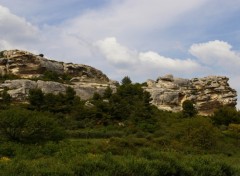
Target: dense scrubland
x=117 y=134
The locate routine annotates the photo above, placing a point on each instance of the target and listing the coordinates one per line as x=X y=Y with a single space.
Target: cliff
x=208 y=93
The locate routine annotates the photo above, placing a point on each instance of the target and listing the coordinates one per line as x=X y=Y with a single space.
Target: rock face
x=208 y=93
x=19 y=88
x=28 y=68
x=168 y=93
x=28 y=65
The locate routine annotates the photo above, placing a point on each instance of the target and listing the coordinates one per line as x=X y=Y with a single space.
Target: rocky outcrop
x=168 y=92
x=19 y=89
x=208 y=93
x=29 y=68
x=27 y=65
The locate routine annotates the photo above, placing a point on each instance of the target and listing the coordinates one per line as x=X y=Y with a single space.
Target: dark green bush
x=188 y=109
x=226 y=115
x=31 y=127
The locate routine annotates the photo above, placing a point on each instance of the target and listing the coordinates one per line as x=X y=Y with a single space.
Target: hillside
x=115 y=131
x=22 y=71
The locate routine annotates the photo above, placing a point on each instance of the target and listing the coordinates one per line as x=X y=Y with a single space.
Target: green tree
x=96 y=96
x=107 y=93
x=126 y=80
x=6 y=99
x=36 y=99
x=70 y=95
x=188 y=109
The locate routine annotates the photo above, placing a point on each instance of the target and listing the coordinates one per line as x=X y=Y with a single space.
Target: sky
x=142 y=39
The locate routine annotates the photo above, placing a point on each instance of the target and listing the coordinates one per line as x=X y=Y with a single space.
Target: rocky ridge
x=208 y=93
x=168 y=92
x=29 y=68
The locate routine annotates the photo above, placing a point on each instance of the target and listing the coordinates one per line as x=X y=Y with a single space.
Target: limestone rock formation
x=28 y=65
x=28 y=68
x=208 y=93
x=168 y=93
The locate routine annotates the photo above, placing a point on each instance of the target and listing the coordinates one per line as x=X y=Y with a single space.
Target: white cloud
x=16 y=31
x=143 y=63
x=129 y=19
x=216 y=54
x=176 y=65
x=71 y=39
x=116 y=53
x=4 y=45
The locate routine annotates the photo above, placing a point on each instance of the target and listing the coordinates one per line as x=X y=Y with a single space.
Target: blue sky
x=143 y=39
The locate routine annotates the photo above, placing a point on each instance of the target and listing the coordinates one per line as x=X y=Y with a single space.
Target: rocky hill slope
x=26 y=71
x=208 y=93
x=21 y=71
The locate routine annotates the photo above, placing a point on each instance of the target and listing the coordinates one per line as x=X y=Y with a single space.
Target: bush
x=197 y=132
x=225 y=116
x=188 y=109
x=29 y=127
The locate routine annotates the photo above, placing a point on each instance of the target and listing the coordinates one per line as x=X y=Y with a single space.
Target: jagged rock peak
x=208 y=93
x=27 y=65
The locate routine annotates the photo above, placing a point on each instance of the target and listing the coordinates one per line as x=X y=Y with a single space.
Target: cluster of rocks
x=208 y=93
x=168 y=93
x=27 y=65
x=85 y=80
x=19 y=88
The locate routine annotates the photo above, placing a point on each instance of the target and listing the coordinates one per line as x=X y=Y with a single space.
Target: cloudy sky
x=139 y=38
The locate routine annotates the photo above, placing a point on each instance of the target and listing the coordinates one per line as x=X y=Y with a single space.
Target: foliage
x=60 y=103
x=226 y=115
x=55 y=76
x=27 y=126
x=107 y=93
x=36 y=98
x=5 y=99
x=199 y=132
x=126 y=80
x=115 y=133
x=1 y=54
x=188 y=109
x=8 y=77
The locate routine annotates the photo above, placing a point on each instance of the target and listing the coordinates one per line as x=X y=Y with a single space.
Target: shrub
x=225 y=116
x=197 y=132
x=29 y=127
x=188 y=109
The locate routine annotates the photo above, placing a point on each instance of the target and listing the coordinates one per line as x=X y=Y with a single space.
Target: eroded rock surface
x=28 y=68
x=19 y=89
x=27 y=65
x=168 y=92
x=208 y=93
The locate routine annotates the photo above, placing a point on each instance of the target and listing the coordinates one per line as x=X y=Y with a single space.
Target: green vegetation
x=1 y=54
x=117 y=133
x=188 y=109
x=25 y=126
x=54 y=76
x=8 y=77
